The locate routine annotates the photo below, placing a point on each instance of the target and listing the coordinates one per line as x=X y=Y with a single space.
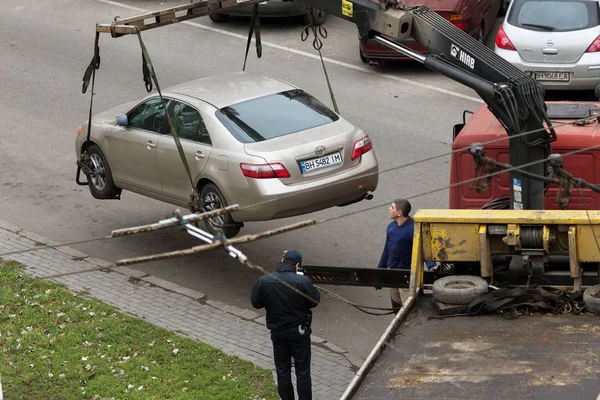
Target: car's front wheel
x=217 y=17
x=213 y=199
x=101 y=182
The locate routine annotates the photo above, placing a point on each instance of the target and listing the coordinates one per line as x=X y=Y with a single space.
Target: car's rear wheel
x=503 y=8
x=362 y=56
x=101 y=183
x=217 y=17
x=213 y=199
x=481 y=34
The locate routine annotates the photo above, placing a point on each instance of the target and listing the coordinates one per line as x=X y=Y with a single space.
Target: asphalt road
x=44 y=50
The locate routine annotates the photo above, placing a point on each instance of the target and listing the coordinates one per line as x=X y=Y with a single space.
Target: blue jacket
x=397 y=253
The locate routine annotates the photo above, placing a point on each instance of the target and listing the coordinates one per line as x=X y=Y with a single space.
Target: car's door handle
x=198 y=155
x=150 y=145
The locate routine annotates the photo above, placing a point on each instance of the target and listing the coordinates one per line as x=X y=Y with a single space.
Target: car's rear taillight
x=361 y=147
x=595 y=46
x=503 y=42
x=264 y=171
x=458 y=21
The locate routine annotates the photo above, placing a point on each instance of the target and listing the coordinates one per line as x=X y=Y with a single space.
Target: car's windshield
x=275 y=115
x=554 y=15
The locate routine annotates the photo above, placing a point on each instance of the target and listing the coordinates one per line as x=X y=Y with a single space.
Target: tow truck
x=528 y=257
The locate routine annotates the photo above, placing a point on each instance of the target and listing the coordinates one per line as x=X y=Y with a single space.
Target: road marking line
x=309 y=55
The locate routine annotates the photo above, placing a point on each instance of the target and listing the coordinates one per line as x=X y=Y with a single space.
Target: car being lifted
x=249 y=139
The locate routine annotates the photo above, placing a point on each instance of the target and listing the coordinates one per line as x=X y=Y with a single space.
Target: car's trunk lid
x=311 y=154
x=551 y=47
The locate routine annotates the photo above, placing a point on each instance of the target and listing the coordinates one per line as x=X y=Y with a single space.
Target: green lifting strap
x=254 y=27
x=90 y=72
x=149 y=76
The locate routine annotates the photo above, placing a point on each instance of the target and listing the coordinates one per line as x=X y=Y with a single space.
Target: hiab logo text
x=463 y=57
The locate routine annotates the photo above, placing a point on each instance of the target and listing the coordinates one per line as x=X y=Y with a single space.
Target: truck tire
x=591 y=298
x=458 y=289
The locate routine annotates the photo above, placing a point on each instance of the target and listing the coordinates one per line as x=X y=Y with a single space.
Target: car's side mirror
x=456 y=130
x=122 y=120
x=458 y=127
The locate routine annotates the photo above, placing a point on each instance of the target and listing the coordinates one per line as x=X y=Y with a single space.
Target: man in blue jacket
x=397 y=252
x=288 y=298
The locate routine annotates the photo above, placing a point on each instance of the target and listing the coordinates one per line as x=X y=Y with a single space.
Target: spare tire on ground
x=591 y=298
x=458 y=289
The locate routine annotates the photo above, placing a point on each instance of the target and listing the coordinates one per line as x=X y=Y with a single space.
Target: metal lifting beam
x=364 y=13
x=168 y=16
x=399 y=278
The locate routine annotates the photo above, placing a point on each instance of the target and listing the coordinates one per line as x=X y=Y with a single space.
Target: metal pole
x=400 y=49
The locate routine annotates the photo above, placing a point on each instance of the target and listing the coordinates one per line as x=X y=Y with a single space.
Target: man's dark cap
x=292 y=256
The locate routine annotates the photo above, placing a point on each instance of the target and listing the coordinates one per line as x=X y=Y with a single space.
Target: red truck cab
x=483 y=127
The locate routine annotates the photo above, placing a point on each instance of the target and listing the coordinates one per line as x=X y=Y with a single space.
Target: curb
x=135 y=276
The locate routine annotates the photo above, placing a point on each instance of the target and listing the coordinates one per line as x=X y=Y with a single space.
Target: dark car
x=270 y=9
x=476 y=17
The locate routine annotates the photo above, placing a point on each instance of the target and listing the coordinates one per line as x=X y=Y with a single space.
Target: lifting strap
x=149 y=76
x=317 y=45
x=484 y=172
x=90 y=72
x=254 y=26
x=510 y=302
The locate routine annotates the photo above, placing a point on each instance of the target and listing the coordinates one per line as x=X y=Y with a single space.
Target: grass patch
x=57 y=345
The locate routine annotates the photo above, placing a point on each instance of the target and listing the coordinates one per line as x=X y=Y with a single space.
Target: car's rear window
x=275 y=115
x=554 y=15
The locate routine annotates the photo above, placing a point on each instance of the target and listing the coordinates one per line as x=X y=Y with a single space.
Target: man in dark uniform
x=288 y=298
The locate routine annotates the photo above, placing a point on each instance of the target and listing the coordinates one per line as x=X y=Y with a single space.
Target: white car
x=556 y=41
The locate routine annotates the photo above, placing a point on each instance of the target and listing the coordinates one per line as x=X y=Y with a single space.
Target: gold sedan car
x=249 y=139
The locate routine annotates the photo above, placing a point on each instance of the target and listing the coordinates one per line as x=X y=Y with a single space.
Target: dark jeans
x=290 y=343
